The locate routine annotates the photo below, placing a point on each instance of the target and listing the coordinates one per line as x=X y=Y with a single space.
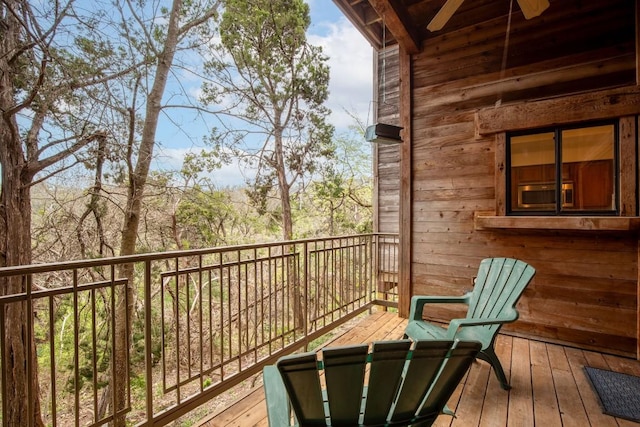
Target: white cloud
x=350 y=91
x=350 y=59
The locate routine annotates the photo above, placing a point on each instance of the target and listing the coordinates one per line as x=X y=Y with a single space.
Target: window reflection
x=565 y=170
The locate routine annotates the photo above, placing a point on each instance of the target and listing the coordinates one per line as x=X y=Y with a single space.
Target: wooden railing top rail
x=155 y=256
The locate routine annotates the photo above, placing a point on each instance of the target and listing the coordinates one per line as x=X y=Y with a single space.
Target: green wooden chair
x=492 y=302
x=393 y=383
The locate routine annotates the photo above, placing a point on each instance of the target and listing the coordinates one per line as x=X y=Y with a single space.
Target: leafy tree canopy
x=270 y=79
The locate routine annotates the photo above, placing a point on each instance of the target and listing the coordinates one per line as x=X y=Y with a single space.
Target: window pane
x=533 y=172
x=588 y=169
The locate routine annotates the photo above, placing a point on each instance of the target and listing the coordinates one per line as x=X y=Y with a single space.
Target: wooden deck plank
x=496 y=401
x=577 y=362
x=520 y=395
x=469 y=410
x=375 y=327
x=595 y=360
x=549 y=386
x=248 y=418
x=251 y=401
x=571 y=407
x=454 y=400
x=619 y=364
x=545 y=402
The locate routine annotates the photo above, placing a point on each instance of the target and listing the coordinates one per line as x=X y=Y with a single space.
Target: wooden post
x=405 y=288
x=638 y=42
x=638 y=163
x=376 y=97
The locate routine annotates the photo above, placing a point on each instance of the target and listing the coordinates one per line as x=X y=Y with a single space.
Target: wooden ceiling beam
x=364 y=18
x=397 y=21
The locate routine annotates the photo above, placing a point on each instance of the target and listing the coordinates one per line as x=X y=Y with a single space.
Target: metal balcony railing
x=185 y=325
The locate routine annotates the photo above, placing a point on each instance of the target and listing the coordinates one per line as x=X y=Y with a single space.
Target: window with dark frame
x=563 y=171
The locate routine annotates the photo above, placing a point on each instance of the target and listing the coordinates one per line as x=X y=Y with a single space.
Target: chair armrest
x=275 y=393
x=419 y=301
x=507 y=317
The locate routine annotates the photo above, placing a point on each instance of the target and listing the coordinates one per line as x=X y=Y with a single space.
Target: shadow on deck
x=549 y=385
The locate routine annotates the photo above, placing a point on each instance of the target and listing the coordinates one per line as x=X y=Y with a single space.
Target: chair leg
x=490 y=356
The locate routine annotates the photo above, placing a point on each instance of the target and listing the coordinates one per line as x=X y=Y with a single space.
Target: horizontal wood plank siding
x=585 y=290
x=387 y=166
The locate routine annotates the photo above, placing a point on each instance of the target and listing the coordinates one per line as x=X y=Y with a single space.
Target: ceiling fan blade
x=533 y=8
x=444 y=14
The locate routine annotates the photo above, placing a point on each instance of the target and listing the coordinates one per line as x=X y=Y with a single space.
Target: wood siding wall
x=387 y=156
x=585 y=290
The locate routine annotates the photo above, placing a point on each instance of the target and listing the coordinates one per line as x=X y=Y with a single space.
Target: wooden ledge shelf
x=585 y=223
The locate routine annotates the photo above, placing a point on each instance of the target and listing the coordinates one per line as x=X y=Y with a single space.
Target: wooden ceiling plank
x=397 y=21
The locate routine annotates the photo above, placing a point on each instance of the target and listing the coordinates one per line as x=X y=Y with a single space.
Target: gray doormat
x=619 y=393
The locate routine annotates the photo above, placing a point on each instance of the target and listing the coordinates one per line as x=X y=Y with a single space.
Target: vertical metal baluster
x=163 y=332
x=187 y=313
x=147 y=337
x=229 y=312
x=76 y=359
x=255 y=305
x=94 y=352
x=52 y=357
x=240 y=309
x=128 y=334
x=304 y=270
x=114 y=379
x=272 y=321
x=176 y=272
x=200 y=326
x=221 y=324
x=210 y=310
x=30 y=343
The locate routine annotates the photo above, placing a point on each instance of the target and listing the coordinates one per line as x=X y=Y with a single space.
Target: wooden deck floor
x=549 y=386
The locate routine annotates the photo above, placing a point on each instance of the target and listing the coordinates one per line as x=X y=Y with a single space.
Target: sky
x=350 y=90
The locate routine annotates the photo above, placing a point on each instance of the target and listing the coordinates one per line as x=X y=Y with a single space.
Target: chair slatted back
x=344 y=370
x=391 y=383
x=499 y=285
x=387 y=363
x=300 y=374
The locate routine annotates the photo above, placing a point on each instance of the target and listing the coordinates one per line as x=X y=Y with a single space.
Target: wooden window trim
x=620 y=103
x=600 y=105
x=488 y=220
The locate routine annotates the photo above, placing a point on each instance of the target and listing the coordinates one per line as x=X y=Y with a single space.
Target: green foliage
x=339 y=199
x=277 y=85
x=137 y=339
x=195 y=164
x=203 y=215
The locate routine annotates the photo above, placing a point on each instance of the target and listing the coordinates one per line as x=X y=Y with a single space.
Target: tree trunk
x=283 y=186
x=22 y=399
x=137 y=181
x=287 y=230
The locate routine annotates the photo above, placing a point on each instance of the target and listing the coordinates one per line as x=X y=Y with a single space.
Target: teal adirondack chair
x=492 y=302
x=397 y=383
